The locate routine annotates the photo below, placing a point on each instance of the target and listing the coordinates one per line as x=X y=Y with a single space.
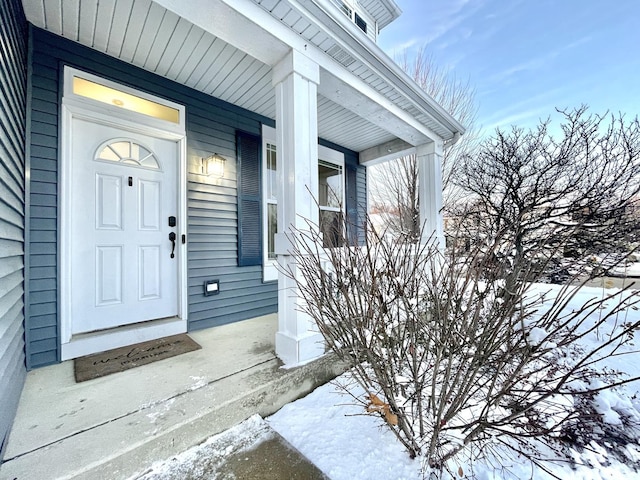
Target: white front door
x=123 y=194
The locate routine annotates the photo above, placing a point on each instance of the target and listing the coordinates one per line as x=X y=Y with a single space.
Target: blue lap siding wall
x=212 y=219
x=13 y=95
x=212 y=228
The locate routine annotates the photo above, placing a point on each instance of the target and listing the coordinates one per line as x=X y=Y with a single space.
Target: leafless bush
x=454 y=349
x=572 y=193
x=393 y=185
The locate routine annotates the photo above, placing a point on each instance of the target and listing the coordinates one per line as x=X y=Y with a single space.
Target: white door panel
x=149 y=272
x=108 y=202
x=149 y=205
x=108 y=275
x=122 y=271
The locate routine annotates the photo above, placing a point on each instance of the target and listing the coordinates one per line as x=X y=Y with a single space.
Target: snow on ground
x=202 y=461
x=346 y=444
x=335 y=433
x=630 y=270
x=341 y=440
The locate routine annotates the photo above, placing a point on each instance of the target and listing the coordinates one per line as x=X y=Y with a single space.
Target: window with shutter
x=249 y=199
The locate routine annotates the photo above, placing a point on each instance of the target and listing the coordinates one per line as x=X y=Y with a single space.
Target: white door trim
x=78 y=345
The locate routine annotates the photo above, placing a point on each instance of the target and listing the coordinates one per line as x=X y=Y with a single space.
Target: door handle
x=172 y=239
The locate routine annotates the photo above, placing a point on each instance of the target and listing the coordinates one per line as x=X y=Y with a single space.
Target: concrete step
x=127 y=443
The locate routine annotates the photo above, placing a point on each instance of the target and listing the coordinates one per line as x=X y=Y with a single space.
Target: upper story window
x=347 y=8
x=360 y=23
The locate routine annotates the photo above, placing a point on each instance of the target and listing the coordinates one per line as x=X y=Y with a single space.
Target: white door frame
x=73 y=346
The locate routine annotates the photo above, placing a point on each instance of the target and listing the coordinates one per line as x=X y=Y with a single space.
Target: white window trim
x=79 y=101
x=269 y=266
x=328 y=155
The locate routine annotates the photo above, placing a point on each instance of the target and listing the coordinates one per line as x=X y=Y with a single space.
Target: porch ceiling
x=145 y=34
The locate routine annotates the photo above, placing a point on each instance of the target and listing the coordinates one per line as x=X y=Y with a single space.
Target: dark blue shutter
x=351 y=207
x=249 y=199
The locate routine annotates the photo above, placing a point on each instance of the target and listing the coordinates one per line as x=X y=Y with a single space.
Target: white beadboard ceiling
x=149 y=36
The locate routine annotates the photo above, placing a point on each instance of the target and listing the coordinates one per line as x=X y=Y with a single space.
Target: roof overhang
x=373 y=57
x=386 y=11
x=227 y=48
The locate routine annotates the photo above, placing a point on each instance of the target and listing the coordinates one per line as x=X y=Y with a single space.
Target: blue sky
x=526 y=57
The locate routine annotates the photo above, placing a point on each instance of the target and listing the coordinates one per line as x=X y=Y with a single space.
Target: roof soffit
x=390 y=7
x=245 y=26
x=350 y=46
x=276 y=30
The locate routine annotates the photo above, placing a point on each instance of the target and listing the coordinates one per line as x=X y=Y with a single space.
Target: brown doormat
x=124 y=358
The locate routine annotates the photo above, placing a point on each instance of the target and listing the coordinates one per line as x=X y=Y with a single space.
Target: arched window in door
x=127 y=152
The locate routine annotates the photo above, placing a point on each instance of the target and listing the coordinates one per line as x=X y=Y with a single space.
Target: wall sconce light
x=213 y=166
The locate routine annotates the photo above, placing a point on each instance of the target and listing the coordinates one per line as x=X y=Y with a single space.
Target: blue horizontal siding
x=212 y=217
x=13 y=105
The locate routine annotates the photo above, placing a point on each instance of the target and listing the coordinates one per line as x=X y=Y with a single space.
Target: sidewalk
x=251 y=450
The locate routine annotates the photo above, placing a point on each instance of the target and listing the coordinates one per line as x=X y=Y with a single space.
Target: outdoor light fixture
x=211 y=287
x=213 y=166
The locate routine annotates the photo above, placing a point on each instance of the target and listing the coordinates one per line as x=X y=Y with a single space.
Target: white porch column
x=296 y=80
x=429 y=157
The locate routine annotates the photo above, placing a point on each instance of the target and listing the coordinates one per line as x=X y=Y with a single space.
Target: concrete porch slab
x=115 y=426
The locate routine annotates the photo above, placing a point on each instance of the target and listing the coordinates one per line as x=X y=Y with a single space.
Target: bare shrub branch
x=457 y=359
x=465 y=350
x=394 y=184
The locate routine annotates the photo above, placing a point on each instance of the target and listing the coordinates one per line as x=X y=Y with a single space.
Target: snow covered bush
x=545 y=192
x=459 y=351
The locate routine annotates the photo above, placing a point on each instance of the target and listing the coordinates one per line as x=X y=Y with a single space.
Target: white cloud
x=527 y=112
x=437 y=20
x=523 y=118
x=448 y=15
x=536 y=63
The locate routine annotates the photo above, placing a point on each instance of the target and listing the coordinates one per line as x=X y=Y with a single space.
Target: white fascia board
x=368 y=52
x=247 y=26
